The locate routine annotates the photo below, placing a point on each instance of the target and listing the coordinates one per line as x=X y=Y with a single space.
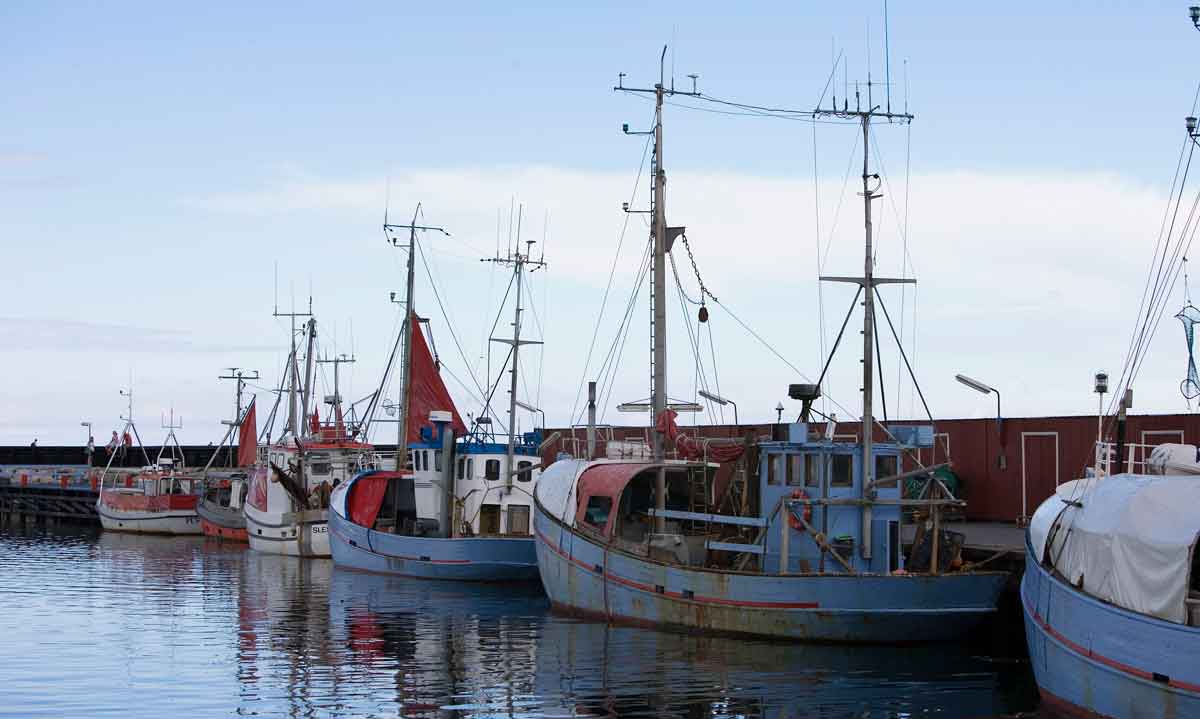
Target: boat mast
x=868 y=282
x=410 y=316
x=663 y=236
x=406 y=357
x=868 y=410
x=308 y=369
x=293 y=368
x=519 y=262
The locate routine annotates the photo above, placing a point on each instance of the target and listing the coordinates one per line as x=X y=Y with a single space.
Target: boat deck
x=984 y=539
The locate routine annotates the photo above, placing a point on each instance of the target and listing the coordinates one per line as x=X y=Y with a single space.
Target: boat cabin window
x=523 y=473
x=489 y=519
x=597 y=511
x=437 y=460
x=492 y=470
x=885 y=466
x=812 y=474
x=470 y=467
x=458 y=467
x=518 y=519
x=321 y=467
x=843 y=471
x=775 y=469
x=795 y=470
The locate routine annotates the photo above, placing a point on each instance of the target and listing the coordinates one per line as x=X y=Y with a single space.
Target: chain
x=703 y=290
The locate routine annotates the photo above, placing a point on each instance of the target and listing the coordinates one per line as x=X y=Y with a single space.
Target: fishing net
x=1189 y=316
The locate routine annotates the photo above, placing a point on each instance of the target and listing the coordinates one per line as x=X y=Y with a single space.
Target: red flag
x=427 y=391
x=248 y=438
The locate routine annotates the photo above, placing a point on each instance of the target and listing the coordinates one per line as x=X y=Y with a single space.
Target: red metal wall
x=1040 y=452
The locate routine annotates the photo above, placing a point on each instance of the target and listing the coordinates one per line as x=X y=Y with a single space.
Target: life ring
x=793 y=520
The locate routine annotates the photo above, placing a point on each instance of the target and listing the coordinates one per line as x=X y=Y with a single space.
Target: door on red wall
x=1039 y=469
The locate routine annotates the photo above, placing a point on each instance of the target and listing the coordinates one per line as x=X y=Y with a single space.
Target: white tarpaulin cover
x=1130 y=541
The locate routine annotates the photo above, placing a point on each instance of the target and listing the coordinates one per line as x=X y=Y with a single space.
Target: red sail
x=248 y=438
x=427 y=391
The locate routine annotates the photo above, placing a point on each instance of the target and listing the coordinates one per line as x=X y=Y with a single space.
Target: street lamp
x=89 y=427
x=531 y=408
x=980 y=387
x=779 y=413
x=1194 y=14
x=721 y=401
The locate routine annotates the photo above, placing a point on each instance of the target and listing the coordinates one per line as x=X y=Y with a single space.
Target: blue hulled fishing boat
x=460 y=507
x=1111 y=595
x=794 y=537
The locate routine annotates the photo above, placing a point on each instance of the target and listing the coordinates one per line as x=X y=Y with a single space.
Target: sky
x=169 y=176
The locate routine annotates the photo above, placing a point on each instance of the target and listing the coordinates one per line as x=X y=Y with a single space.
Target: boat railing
x=1135 y=461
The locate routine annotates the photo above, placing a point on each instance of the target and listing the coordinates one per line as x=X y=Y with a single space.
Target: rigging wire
x=450 y=326
x=1162 y=241
x=817 y=239
x=607 y=374
x=611 y=275
x=904 y=240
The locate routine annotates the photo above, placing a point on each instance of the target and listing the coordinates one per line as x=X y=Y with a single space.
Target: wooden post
x=785 y=535
x=936 y=511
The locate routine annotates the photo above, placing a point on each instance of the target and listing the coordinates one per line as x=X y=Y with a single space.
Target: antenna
x=409 y=314
x=518 y=262
x=887 y=58
x=235 y=373
x=292 y=368
x=867 y=285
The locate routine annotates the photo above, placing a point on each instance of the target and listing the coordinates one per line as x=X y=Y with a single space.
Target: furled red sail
x=427 y=392
x=248 y=438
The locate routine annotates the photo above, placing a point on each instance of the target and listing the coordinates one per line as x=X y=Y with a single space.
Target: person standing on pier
x=126 y=445
x=111 y=447
x=89 y=449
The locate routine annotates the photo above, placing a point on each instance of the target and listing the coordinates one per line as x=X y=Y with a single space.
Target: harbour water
x=114 y=625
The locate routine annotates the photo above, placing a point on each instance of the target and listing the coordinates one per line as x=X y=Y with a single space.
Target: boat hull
x=582 y=576
x=122 y=511
x=296 y=534
x=170 y=522
x=481 y=559
x=1094 y=659
x=222 y=522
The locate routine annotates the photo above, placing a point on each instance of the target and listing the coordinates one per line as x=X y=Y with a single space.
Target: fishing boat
x=810 y=550
x=461 y=507
x=1111 y=591
x=159 y=499
x=287 y=505
x=222 y=506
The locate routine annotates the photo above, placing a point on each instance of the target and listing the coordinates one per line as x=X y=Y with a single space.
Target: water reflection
x=212 y=629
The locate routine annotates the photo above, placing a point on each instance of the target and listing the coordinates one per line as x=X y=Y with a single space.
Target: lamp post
x=1194 y=14
x=721 y=401
x=530 y=408
x=779 y=413
x=1001 y=461
x=1101 y=387
x=89 y=428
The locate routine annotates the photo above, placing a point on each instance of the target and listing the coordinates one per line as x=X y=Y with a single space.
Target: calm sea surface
x=112 y=625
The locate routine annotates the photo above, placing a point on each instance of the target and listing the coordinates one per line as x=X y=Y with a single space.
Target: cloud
x=48 y=334
x=1028 y=280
